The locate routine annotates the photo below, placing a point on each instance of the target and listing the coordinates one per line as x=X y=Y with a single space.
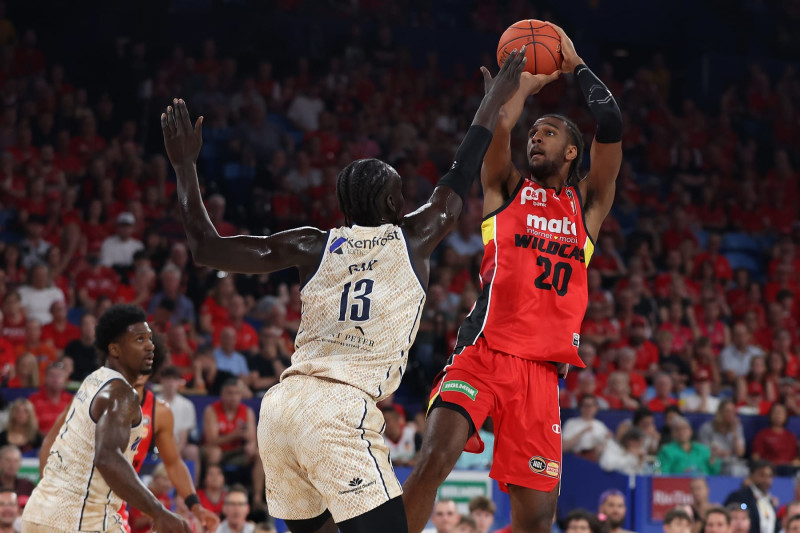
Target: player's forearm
x=601 y=104
x=178 y=474
x=123 y=480
x=200 y=231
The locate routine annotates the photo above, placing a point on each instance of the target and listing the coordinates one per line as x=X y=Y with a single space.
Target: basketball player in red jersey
x=538 y=233
x=160 y=434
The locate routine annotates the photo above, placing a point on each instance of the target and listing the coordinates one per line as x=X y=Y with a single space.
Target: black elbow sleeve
x=602 y=105
x=469 y=158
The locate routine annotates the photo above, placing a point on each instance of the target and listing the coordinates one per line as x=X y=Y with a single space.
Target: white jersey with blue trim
x=72 y=495
x=361 y=311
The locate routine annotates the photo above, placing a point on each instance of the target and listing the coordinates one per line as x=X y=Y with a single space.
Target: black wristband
x=191 y=500
x=469 y=158
x=602 y=105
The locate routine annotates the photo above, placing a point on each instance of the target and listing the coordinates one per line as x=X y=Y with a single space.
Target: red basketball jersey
x=227 y=425
x=148 y=421
x=533 y=276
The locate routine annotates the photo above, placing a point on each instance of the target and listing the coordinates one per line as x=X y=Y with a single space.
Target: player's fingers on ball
x=486 y=75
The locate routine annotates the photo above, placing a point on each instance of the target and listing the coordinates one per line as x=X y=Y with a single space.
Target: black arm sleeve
x=469 y=158
x=602 y=105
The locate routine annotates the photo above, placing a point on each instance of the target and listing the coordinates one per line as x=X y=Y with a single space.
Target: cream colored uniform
x=320 y=431
x=72 y=495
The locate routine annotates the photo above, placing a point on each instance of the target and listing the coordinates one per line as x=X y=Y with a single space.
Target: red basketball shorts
x=521 y=396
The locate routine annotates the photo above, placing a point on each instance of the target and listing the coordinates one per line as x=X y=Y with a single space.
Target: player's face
x=716 y=523
x=135 y=349
x=548 y=142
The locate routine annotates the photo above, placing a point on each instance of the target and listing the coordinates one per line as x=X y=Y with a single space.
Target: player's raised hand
x=181 y=140
x=533 y=83
x=506 y=83
x=571 y=57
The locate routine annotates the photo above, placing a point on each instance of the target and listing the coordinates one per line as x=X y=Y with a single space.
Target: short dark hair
x=582 y=514
x=793 y=518
x=114 y=323
x=358 y=187
x=481 y=503
x=587 y=397
x=676 y=514
x=719 y=510
x=734 y=507
x=759 y=464
x=171 y=372
x=576 y=137
x=389 y=409
x=230 y=382
x=466 y=519
x=640 y=414
x=632 y=434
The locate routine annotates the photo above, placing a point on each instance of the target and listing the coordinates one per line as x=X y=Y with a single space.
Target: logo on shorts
x=556 y=429
x=357 y=486
x=462 y=387
x=576 y=340
x=545 y=467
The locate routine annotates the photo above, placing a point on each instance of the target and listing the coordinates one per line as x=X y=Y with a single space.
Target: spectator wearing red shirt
x=754 y=402
x=784 y=279
x=678 y=231
x=663 y=385
x=214 y=311
x=608 y=261
x=59 y=332
x=709 y=325
x=646 y=352
x=756 y=374
x=596 y=327
x=617 y=392
x=8 y=356
x=212 y=495
x=681 y=333
x=782 y=348
x=775 y=443
x=52 y=399
x=246 y=335
x=216 y=212
x=44 y=353
x=626 y=362
x=95 y=281
x=721 y=265
x=89 y=142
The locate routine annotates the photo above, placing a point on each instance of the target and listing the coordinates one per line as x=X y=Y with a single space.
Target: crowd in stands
x=693 y=303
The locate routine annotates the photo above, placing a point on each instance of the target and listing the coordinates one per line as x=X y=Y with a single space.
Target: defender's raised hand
x=506 y=83
x=181 y=140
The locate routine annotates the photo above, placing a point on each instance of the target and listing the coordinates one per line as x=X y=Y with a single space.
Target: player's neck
x=552 y=181
x=130 y=377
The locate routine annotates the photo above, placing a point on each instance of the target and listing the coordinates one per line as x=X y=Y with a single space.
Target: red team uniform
x=146 y=445
x=528 y=316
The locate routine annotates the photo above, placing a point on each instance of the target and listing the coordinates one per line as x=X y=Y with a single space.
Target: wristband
x=191 y=500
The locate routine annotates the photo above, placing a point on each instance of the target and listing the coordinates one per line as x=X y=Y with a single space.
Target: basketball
x=544 y=46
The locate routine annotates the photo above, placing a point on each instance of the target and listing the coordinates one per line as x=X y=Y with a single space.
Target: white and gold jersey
x=361 y=310
x=72 y=494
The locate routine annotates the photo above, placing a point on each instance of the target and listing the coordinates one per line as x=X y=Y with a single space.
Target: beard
x=541 y=170
x=146 y=371
x=614 y=524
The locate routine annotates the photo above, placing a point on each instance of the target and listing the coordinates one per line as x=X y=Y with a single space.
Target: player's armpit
x=599 y=187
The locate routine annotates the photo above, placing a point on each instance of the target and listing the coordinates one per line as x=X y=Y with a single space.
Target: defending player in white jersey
x=88 y=472
x=320 y=431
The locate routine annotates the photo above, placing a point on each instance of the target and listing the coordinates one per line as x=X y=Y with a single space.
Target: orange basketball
x=544 y=46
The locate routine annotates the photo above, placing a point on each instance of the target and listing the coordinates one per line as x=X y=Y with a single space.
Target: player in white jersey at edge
x=88 y=472
x=320 y=432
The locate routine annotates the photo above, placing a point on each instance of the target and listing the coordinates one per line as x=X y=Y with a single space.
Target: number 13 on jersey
x=356 y=303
